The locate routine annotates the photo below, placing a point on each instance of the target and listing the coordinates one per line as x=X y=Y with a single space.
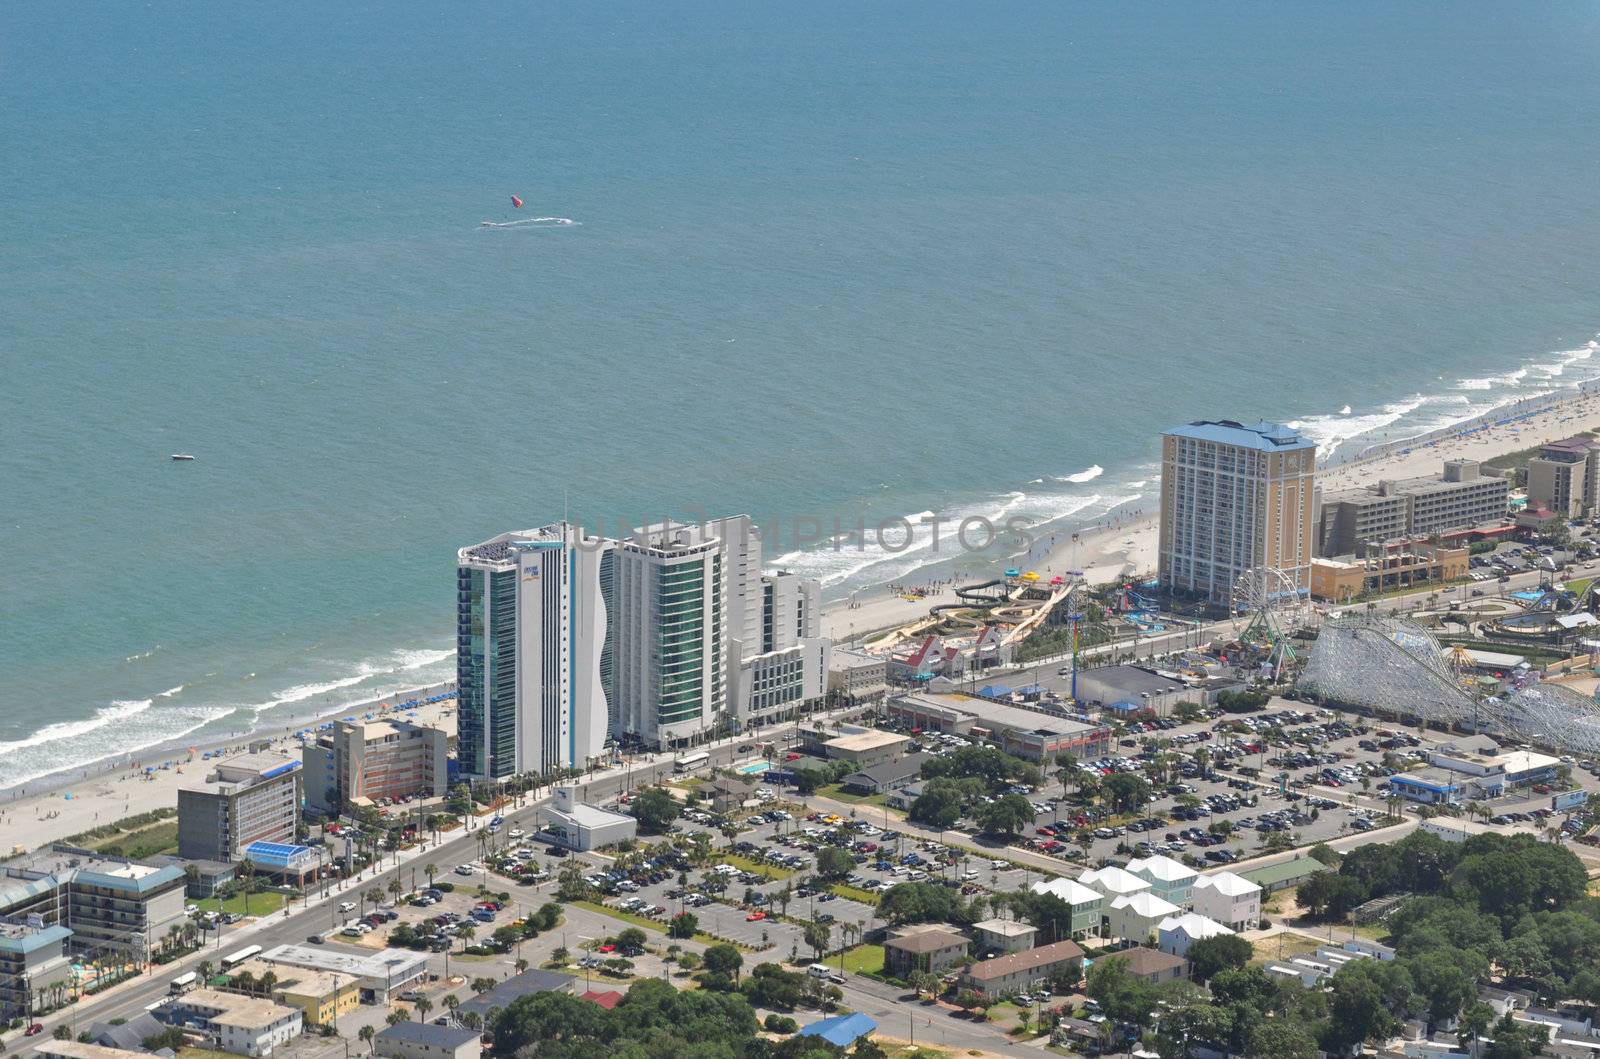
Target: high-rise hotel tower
x=1233 y=498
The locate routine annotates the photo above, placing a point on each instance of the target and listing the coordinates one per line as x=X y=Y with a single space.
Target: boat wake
x=535 y=222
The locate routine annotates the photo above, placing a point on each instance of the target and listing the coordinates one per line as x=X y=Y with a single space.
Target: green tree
x=834 y=863
x=1127 y=793
x=1220 y=953
x=655 y=810
x=723 y=958
x=1006 y=817
x=683 y=925
x=1120 y=994
x=366 y=1033
x=1280 y=1039
x=819 y=936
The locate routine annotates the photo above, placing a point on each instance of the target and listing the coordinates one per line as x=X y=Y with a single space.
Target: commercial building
x=1018 y=730
x=575 y=825
x=1234 y=498
x=33 y=965
x=524 y=984
x=862 y=747
x=1397 y=564
x=375 y=763
x=1176 y=934
x=1002 y=936
x=1494 y=769
x=1283 y=874
x=239 y=1024
x=1020 y=971
x=245 y=799
x=323 y=997
x=1145 y=690
x=857 y=674
x=424 y=1040
x=1562 y=477
x=534 y=650
x=929 y=951
x=111 y=906
x=889 y=776
x=1168 y=879
x=379 y=974
x=1230 y=899
x=1449 y=505
x=1088 y=904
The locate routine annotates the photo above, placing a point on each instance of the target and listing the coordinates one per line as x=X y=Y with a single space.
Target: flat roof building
x=379 y=973
x=245 y=799
x=33 y=966
x=242 y=1025
x=1234 y=498
x=375 y=763
x=524 y=984
x=424 y=1040
x=1450 y=504
x=1018 y=730
x=584 y=827
x=109 y=904
x=863 y=747
x=1003 y=935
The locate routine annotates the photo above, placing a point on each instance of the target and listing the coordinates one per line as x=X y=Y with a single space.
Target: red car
x=608 y=948
x=755 y=917
x=34 y=1030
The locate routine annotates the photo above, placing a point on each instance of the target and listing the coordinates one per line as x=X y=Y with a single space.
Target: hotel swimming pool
x=753 y=768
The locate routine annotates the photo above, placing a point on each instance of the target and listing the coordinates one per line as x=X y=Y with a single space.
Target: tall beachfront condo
x=1234 y=497
x=533 y=654
x=785 y=670
x=671 y=623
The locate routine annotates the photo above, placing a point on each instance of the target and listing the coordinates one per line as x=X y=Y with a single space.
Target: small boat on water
x=181 y=457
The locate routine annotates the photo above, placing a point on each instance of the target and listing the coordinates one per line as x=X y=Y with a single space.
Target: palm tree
x=247 y=869
x=521 y=965
x=266 y=983
x=430 y=871
x=366 y=1033
x=451 y=1002
x=395 y=1018
x=422 y=1007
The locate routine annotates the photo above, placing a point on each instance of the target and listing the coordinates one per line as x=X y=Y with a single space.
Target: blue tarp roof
x=991 y=690
x=841 y=1030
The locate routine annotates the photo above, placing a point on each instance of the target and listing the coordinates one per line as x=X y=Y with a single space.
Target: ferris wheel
x=1271 y=599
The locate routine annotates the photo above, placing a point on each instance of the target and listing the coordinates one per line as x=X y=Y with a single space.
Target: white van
x=818 y=970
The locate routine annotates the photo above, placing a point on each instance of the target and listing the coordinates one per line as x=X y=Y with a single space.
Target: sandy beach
x=1121 y=546
x=55 y=807
x=1124 y=545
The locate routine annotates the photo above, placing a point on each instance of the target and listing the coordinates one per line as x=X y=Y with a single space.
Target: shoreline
x=1128 y=545
x=76 y=800
x=1120 y=543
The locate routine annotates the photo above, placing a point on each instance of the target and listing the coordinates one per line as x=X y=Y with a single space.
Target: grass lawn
x=867 y=959
x=260 y=904
x=757 y=867
x=148 y=841
x=864 y=896
x=835 y=792
x=1284 y=946
x=1370 y=931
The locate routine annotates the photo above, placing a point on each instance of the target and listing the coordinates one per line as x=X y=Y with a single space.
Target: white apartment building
x=1233 y=498
x=533 y=653
x=1229 y=899
x=672 y=602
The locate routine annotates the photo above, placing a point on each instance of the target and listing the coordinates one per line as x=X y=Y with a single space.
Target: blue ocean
x=804 y=260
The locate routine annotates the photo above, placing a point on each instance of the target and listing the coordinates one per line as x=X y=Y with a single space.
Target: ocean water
x=825 y=260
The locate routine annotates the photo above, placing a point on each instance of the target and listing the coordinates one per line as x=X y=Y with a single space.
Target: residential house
x=1176 y=934
x=1230 y=899
x=1020 y=971
x=1133 y=917
x=926 y=950
x=1168 y=879
x=424 y=1040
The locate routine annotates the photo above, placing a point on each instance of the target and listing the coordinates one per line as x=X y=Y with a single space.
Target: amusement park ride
x=1276 y=607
